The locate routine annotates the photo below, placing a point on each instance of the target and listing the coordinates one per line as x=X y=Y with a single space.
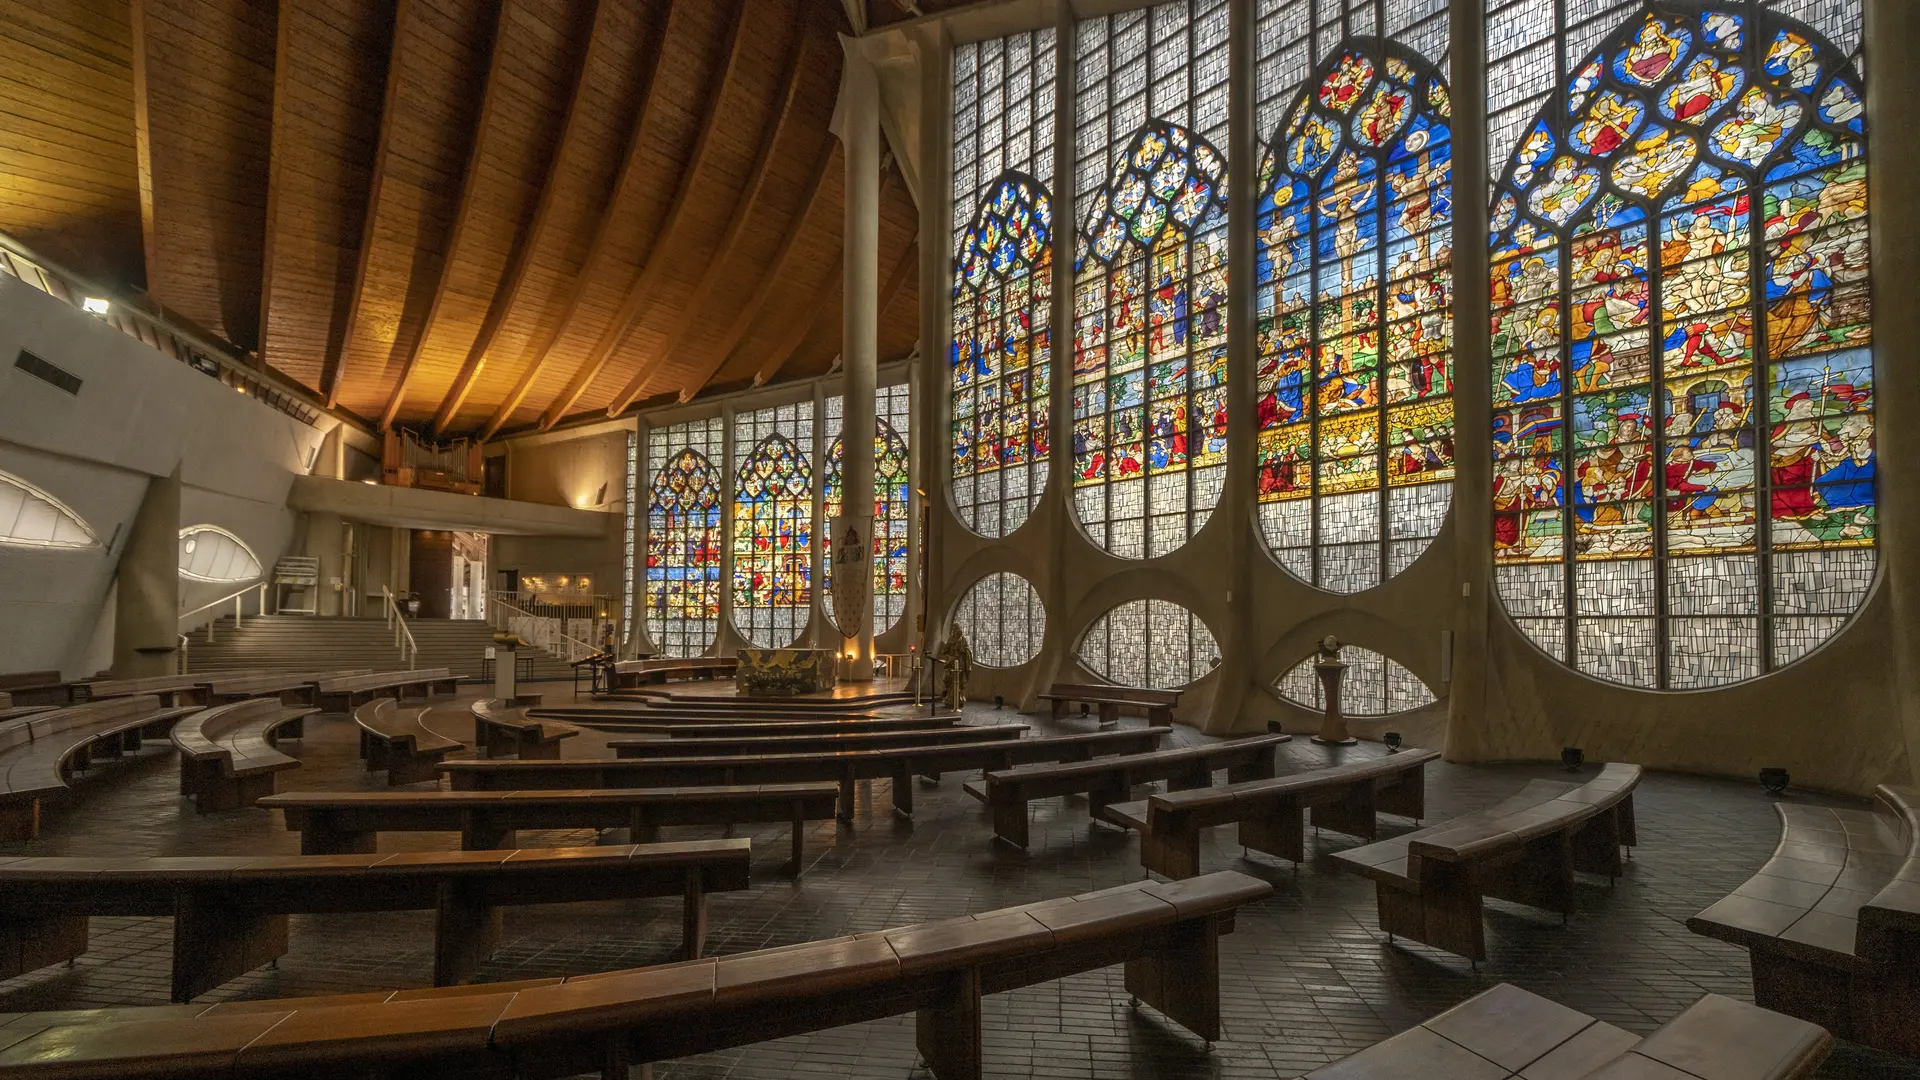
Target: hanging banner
x=850 y=553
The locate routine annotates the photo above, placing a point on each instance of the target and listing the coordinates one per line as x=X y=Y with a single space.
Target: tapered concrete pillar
x=857 y=123
x=1893 y=180
x=147 y=605
x=325 y=533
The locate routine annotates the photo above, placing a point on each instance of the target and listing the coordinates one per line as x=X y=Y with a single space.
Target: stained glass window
x=1150 y=275
x=1355 y=317
x=1003 y=620
x=1371 y=686
x=773 y=523
x=1152 y=643
x=891 y=502
x=682 y=593
x=1683 y=385
x=1003 y=110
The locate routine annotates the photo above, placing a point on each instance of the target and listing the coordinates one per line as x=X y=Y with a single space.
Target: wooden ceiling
x=463 y=217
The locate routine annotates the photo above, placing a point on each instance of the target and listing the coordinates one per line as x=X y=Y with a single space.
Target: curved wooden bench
x=1507 y=1033
x=1167 y=935
x=626 y=674
x=719 y=706
x=396 y=740
x=501 y=729
x=1110 y=699
x=37 y=688
x=343 y=694
x=847 y=768
x=291 y=687
x=1832 y=921
x=1272 y=814
x=1429 y=885
x=1112 y=779
x=10 y=711
x=227 y=753
x=230 y=913
x=351 y=821
x=703 y=727
x=38 y=754
x=812 y=744
x=172 y=690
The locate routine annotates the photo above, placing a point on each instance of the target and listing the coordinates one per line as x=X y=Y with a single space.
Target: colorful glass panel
x=1150 y=276
x=682 y=593
x=1151 y=643
x=773 y=524
x=1003 y=619
x=1000 y=363
x=1679 y=268
x=892 y=503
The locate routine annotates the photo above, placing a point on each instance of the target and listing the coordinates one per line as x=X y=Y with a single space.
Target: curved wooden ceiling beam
x=776 y=270
x=797 y=333
x=570 y=134
x=596 y=250
x=663 y=241
x=490 y=104
x=742 y=213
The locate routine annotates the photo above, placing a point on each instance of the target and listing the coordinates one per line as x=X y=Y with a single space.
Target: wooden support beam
x=742 y=212
x=642 y=286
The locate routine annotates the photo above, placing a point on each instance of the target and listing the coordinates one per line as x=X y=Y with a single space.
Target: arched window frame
x=892 y=501
x=684 y=542
x=773 y=482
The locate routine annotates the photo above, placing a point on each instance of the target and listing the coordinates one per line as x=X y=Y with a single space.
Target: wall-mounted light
x=375 y=483
x=95 y=305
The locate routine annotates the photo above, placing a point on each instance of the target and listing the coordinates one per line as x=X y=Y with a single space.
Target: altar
x=784 y=672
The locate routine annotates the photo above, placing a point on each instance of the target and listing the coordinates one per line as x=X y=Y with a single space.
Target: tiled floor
x=1307 y=977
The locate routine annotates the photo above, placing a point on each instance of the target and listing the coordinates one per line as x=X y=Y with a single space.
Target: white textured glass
x=29 y=517
x=1372 y=685
x=1151 y=643
x=1003 y=619
x=212 y=554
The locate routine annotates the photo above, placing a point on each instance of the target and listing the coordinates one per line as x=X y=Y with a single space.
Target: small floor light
x=1572 y=757
x=998 y=701
x=1774 y=780
x=1083 y=708
x=1392 y=739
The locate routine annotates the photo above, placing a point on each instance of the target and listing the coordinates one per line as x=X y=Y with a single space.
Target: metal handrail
x=184 y=643
x=402 y=633
x=235 y=597
x=499 y=604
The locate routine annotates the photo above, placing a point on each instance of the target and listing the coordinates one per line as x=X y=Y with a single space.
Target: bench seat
x=1272 y=814
x=499 y=729
x=1166 y=935
x=291 y=687
x=1506 y=1033
x=1109 y=699
x=1429 y=885
x=172 y=690
x=1832 y=920
x=810 y=744
x=351 y=821
x=703 y=727
x=40 y=753
x=228 y=756
x=1110 y=780
x=398 y=741
x=230 y=912
x=344 y=694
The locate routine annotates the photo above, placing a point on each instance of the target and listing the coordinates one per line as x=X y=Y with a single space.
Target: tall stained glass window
x=1355 y=284
x=892 y=506
x=1003 y=619
x=773 y=523
x=1150 y=275
x=1152 y=643
x=1683 y=384
x=682 y=594
x=1003 y=109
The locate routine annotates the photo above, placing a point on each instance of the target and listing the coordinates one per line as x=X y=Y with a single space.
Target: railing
x=540 y=630
x=261 y=608
x=20 y=261
x=402 y=633
x=181 y=664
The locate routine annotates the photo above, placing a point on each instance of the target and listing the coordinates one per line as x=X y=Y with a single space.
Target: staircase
x=305 y=643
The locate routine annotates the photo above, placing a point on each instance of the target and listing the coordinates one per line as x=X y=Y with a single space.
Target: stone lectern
x=1331 y=669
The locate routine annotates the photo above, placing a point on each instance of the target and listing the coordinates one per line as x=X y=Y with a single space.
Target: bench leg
x=1541 y=877
x=196 y=776
x=903 y=790
x=481 y=834
x=20 y=820
x=465 y=933
x=844 y=811
x=1109 y=716
x=1596 y=847
x=640 y=830
x=214 y=942
x=1260 y=768
x=409 y=767
x=1446 y=913
x=799 y=841
x=1353 y=813
x=1009 y=818
x=693 y=917
x=28 y=943
x=1181 y=978
x=1280 y=832
x=1817 y=994
x=1196 y=776
x=1405 y=795
x=947 y=1033
x=292 y=729
x=1171 y=848
x=533 y=749
x=318 y=836
x=1159 y=716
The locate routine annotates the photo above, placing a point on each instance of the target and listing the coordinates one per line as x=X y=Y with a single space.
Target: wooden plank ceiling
x=461 y=217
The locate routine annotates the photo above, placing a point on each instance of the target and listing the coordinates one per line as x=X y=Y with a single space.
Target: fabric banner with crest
x=850 y=553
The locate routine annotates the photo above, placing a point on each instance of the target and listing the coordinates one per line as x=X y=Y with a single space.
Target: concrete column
x=1238 y=652
x=930 y=402
x=857 y=122
x=1472 y=389
x=725 y=641
x=147 y=603
x=1893 y=179
x=1055 y=507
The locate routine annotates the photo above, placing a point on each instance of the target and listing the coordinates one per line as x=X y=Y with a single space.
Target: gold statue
x=956 y=656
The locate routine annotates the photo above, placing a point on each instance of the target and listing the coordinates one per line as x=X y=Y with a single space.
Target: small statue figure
x=1329 y=650
x=1331 y=669
x=956 y=656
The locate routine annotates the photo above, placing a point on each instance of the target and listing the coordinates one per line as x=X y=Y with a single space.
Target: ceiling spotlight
x=95 y=305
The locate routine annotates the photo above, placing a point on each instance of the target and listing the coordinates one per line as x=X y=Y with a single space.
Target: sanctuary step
x=302 y=642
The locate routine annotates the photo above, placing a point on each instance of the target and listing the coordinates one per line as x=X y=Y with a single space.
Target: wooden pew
x=1167 y=935
x=812 y=744
x=348 y=692
x=1832 y=921
x=500 y=729
x=11 y=711
x=722 y=707
x=349 y=822
x=291 y=687
x=900 y=765
x=704 y=728
x=230 y=913
x=1112 y=779
x=1430 y=884
x=172 y=690
x=227 y=755
x=37 y=688
x=1110 y=699
x=627 y=674
x=39 y=754
x=1507 y=1033
x=1272 y=814
x=395 y=739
